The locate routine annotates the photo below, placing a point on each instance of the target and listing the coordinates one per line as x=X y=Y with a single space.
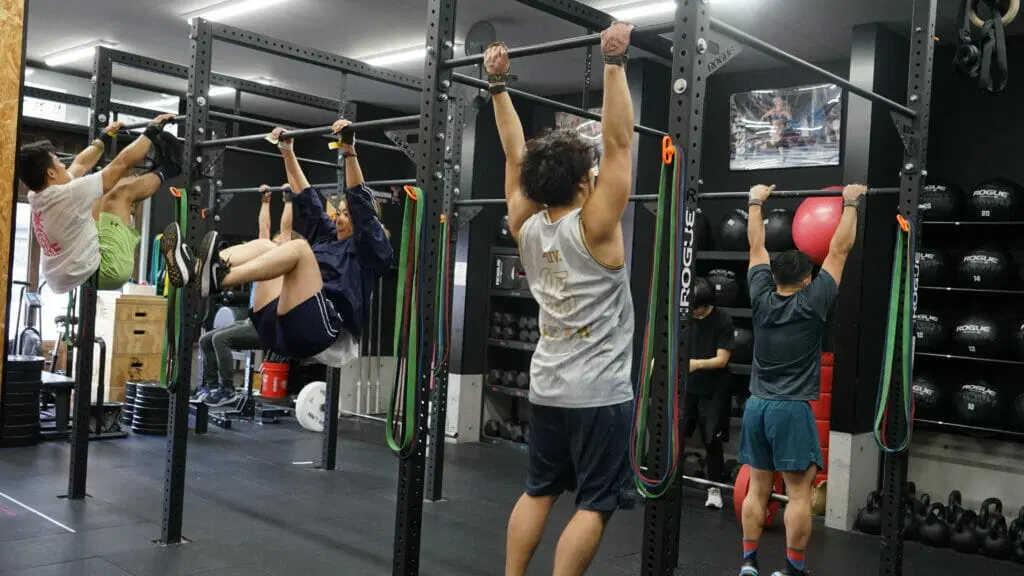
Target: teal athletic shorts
x=779 y=435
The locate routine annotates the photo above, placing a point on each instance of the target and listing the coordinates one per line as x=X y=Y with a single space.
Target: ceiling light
x=29 y=72
x=638 y=11
x=265 y=80
x=227 y=10
x=76 y=53
x=400 y=57
x=221 y=91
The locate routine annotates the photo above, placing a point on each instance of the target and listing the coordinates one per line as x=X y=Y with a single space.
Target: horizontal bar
x=327 y=186
x=553 y=104
x=146 y=124
x=766 y=48
x=278 y=155
x=370 y=144
x=790 y=194
x=558 y=45
x=489 y=201
x=247 y=120
x=400 y=121
x=729 y=487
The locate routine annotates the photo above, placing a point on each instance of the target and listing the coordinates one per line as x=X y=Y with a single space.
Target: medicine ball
x=977 y=404
x=702 y=236
x=984 y=268
x=930 y=332
x=1018 y=339
x=928 y=399
x=778 y=230
x=733 y=232
x=505 y=233
x=727 y=289
x=814 y=223
x=939 y=202
x=932 y=269
x=1018 y=412
x=994 y=200
x=743 y=346
x=977 y=335
x=492 y=428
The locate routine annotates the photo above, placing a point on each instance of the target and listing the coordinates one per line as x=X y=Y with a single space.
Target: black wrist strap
x=616 y=60
x=755 y=202
x=347 y=137
x=850 y=203
x=349 y=155
x=497 y=88
x=106 y=139
x=152 y=131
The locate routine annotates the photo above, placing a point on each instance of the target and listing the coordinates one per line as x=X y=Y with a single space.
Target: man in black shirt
x=706 y=397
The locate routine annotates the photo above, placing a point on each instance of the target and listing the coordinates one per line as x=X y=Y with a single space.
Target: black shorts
x=306 y=330
x=707 y=412
x=582 y=450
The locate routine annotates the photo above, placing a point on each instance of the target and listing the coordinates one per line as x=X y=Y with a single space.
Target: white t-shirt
x=63 y=225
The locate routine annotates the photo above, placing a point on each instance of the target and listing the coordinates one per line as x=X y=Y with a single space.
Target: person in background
x=706 y=399
x=83 y=220
x=779 y=433
x=218 y=386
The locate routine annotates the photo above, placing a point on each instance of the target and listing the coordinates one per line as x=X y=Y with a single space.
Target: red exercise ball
x=814 y=223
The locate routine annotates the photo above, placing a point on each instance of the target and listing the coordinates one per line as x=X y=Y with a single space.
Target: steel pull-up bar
x=397 y=122
x=147 y=124
x=329 y=186
x=258 y=122
x=553 y=104
x=557 y=45
x=791 y=194
x=779 y=54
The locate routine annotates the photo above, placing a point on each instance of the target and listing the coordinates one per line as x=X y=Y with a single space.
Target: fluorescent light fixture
x=645 y=10
x=401 y=56
x=226 y=10
x=221 y=91
x=29 y=72
x=265 y=80
x=45 y=87
x=76 y=53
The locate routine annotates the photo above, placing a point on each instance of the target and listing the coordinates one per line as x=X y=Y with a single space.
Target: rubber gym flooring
x=255 y=506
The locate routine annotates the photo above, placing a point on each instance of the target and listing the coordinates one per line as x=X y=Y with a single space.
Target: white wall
x=978 y=468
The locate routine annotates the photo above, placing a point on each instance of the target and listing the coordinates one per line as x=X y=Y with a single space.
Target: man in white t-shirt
x=83 y=222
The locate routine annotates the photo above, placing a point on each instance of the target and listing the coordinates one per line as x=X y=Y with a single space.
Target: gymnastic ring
x=1009 y=16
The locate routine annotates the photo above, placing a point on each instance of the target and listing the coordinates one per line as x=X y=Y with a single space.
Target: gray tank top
x=585 y=354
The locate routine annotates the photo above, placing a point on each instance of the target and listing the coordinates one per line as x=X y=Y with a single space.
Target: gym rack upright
x=694 y=57
x=198 y=152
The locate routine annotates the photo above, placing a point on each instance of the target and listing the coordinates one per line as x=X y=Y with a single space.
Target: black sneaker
x=179 y=260
x=790 y=570
x=749 y=567
x=210 y=269
x=168 y=155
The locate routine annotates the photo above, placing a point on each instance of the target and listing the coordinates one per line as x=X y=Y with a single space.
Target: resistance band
x=670 y=200
x=169 y=366
x=902 y=286
x=402 y=409
x=443 y=300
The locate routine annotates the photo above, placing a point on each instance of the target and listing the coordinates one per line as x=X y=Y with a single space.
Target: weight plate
x=151 y=404
x=21 y=419
x=152 y=396
x=161 y=432
x=9 y=442
x=309 y=406
x=149 y=419
x=22 y=387
x=20 y=430
x=22 y=408
x=21 y=397
x=149 y=426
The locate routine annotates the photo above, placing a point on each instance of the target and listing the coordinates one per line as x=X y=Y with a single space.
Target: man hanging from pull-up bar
x=310 y=296
x=571 y=245
x=83 y=221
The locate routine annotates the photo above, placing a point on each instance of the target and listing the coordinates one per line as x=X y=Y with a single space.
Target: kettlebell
x=910 y=531
x=819 y=498
x=954 y=508
x=869 y=518
x=997 y=543
x=993 y=505
x=1017 y=526
x=934 y=530
x=964 y=538
x=990 y=511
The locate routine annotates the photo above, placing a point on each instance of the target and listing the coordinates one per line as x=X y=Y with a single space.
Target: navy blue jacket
x=350 y=267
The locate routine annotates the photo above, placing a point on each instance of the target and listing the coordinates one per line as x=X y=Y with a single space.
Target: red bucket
x=275 y=380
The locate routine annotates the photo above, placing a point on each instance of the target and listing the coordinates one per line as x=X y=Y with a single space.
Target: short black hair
x=554 y=165
x=703 y=293
x=791 y=267
x=33 y=161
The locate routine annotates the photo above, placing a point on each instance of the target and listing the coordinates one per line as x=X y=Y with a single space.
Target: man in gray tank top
x=571 y=247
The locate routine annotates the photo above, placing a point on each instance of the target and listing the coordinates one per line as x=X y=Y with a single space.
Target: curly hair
x=33 y=161
x=554 y=165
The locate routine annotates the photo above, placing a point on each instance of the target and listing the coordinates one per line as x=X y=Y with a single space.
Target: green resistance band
x=169 y=363
x=902 y=286
x=666 y=201
x=401 y=434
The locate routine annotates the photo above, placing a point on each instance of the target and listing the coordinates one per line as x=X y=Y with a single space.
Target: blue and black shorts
x=302 y=332
x=779 y=435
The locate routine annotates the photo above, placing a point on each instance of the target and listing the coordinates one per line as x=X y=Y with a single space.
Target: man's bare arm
x=134 y=153
x=513 y=139
x=263 y=219
x=846 y=233
x=353 y=171
x=286 y=216
x=755 y=224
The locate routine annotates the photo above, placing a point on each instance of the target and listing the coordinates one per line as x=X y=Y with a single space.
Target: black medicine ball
x=939 y=202
x=702 y=236
x=727 y=289
x=930 y=332
x=743 y=346
x=977 y=335
x=1018 y=339
x=984 y=268
x=995 y=200
x=1018 y=412
x=778 y=230
x=977 y=404
x=929 y=402
x=733 y=232
x=932 y=269
x=504 y=233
